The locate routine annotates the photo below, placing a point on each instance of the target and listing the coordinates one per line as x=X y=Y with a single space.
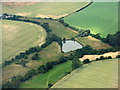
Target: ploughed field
x=42 y=9
x=99 y=17
x=20 y=36
x=98 y=74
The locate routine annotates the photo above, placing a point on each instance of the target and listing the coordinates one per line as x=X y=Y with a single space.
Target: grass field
x=60 y=30
x=93 y=42
x=101 y=74
x=20 y=36
x=42 y=81
x=99 y=17
x=43 y=9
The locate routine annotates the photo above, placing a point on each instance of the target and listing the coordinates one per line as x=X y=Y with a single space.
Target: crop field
x=99 y=17
x=93 y=57
x=20 y=36
x=50 y=53
x=99 y=74
x=42 y=9
x=93 y=42
x=42 y=81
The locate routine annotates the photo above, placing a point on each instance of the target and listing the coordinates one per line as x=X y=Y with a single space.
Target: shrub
x=97 y=59
x=109 y=57
x=86 y=61
x=118 y=56
x=102 y=57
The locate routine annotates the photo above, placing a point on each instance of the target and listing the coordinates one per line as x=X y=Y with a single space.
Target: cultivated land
x=93 y=57
x=50 y=53
x=42 y=81
x=43 y=9
x=99 y=74
x=99 y=17
x=93 y=42
x=20 y=36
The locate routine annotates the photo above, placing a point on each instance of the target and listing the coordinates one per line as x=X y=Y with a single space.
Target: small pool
x=70 y=45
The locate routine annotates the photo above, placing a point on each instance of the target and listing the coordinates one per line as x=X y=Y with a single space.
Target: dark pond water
x=70 y=45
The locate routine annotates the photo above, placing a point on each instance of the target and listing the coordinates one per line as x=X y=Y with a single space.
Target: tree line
x=24 y=55
x=17 y=80
x=111 y=39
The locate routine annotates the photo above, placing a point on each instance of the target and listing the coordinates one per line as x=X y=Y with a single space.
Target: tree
x=97 y=59
x=86 y=61
x=102 y=58
x=76 y=63
x=64 y=40
x=50 y=85
x=63 y=59
x=118 y=56
x=49 y=65
x=35 y=57
x=109 y=57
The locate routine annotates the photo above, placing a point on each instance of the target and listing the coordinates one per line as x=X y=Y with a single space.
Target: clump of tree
x=67 y=25
x=35 y=56
x=103 y=58
x=64 y=40
x=46 y=27
x=83 y=33
x=76 y=63
x=22 y=62
x=97 y=36
x=86 y=61
x=118 y=56
x=113 y=40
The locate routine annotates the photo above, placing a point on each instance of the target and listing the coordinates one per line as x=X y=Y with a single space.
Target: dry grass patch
x=93 y=42
x=93 y=57
x=13 y=70
x=51 y=16
x=18 y=4
x=9 y=31
x=23 y=14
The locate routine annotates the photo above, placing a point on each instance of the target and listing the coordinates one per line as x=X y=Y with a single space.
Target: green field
x=42 y=81
x=99 y=74
x=43 y=9
x=99 y=17
x=20 y=36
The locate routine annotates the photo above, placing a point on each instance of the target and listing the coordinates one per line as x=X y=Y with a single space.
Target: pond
x=70 y=45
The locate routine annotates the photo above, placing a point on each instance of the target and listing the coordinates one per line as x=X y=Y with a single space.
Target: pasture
x=99 y=17
x=48 y=54
x=20 y=36
x=60 y=30
x=42 y=81
x=93 y=42
x=42 y=9
x=99 y=74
